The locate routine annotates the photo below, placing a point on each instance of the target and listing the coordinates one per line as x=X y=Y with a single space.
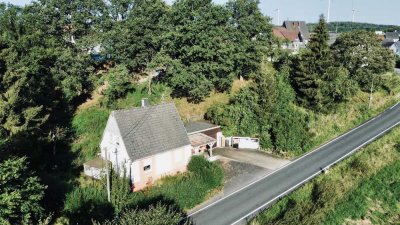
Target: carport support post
x=211 y=149
x=108 y=178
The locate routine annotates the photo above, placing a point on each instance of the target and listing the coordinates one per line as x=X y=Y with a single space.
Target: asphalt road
x=250 y=200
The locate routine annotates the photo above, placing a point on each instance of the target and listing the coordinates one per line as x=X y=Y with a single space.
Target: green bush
x=83 y=204
x=118 y=82
x=212 y=174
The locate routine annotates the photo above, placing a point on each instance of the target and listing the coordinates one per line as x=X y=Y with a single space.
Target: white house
x=145 y=143
x=396 y=48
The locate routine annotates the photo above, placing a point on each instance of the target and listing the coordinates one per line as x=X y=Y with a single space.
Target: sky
x=371 y=11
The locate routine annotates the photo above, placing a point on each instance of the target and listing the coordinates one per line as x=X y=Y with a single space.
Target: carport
x=201 y=143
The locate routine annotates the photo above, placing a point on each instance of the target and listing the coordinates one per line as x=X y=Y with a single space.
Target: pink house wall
x=163 y=164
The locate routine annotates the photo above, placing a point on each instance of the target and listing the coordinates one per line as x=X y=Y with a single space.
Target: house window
x=147 y=168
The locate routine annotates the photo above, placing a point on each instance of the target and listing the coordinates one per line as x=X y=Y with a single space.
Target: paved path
x=247 y=202
x=257 y=158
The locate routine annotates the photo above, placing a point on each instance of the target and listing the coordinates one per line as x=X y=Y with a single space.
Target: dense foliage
x=84 y=204
x=266 y=110
x=362 y=54
x=20 y=193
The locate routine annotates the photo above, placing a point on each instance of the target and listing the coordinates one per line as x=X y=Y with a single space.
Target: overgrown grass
x=348 y=115
x=88 y=125
x=315 y=200
x=376 y=200
x=157 y=94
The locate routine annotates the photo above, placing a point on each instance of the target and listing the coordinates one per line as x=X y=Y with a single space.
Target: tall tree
x=251 y=35
x=197 y=52
x=135 y=40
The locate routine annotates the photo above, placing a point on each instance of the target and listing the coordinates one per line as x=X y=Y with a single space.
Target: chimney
x=145 y=102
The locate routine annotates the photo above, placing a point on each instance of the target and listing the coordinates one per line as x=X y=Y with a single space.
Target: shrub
x=212 y=174
x=155 y=215
x=119 y=83
x=83 y=204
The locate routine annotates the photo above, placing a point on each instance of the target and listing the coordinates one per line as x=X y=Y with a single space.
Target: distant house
x=392 y=36
x=294 y=32
x=150 y=142
x=300 y=27
x=394 y=46
x=333 y=37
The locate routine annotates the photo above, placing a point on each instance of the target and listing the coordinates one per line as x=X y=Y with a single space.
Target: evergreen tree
x=316 y=82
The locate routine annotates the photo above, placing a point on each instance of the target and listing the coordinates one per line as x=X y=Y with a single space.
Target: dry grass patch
x=192 y=111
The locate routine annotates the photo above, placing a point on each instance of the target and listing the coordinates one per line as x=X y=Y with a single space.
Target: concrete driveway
x=241 y=167
x=253 y=157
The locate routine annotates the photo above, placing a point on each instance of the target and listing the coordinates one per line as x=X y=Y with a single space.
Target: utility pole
x=279 y=19
x=370 y=94
x=108 y=178
x=329 y=12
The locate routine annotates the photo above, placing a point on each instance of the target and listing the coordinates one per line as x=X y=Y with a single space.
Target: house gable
x=112 y=143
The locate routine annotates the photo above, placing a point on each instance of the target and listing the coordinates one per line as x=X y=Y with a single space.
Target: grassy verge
x=324 y=127
x=315 y=200
x=376 y=201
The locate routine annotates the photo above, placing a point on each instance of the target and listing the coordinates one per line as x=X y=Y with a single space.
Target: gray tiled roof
x=392 y=35
x=197 y=126
x=387 y=43
x=150 y=130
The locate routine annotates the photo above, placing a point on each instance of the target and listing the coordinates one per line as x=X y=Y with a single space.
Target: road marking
x=288 y=164
x=315 y=174
x=394 y=105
